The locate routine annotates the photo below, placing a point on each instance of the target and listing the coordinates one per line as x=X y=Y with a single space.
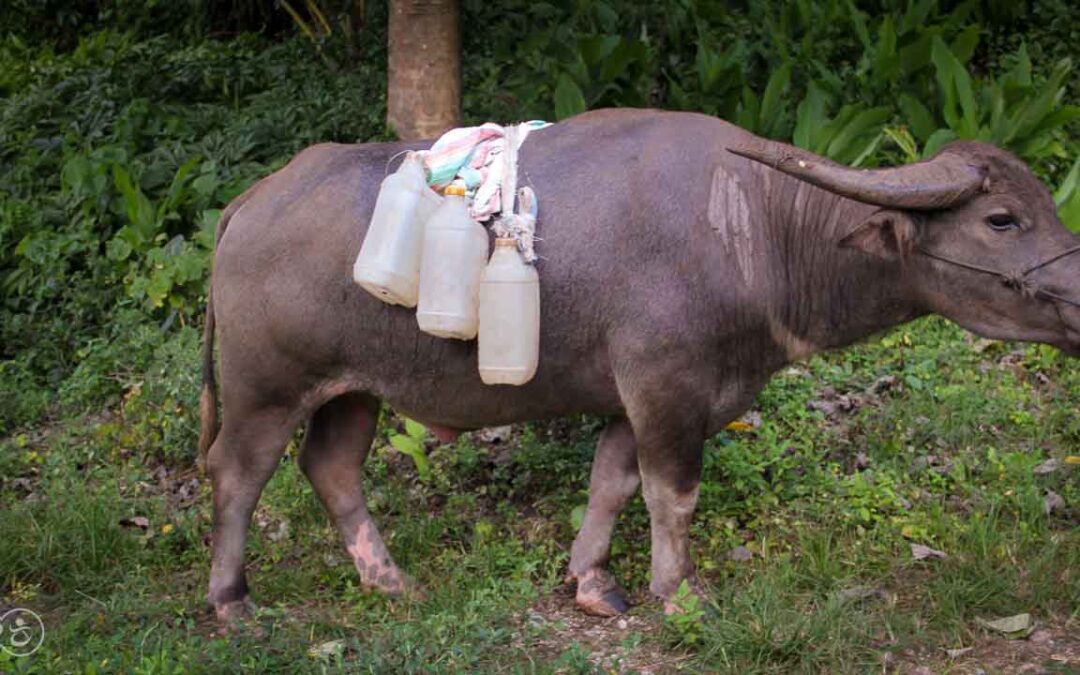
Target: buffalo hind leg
x=334 y=449
x=240 y=462
x=613 y=481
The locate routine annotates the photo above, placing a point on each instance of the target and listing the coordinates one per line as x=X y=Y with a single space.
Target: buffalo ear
x=887 y=234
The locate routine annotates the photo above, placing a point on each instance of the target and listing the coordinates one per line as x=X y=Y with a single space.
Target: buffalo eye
x=1001 y=222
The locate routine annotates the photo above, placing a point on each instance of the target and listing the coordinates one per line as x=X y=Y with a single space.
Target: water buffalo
x=684 y=261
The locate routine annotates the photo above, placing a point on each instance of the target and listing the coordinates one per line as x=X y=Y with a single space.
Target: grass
x=924 y=436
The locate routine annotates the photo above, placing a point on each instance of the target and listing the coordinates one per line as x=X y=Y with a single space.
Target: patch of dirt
x=1051 y=649
x=620 y=644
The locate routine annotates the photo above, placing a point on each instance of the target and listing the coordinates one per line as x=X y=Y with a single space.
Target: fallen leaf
x=740 y=554
x=281 y=532
x=327 y=650
x=1049 y=466
x=1012 y=627
x=1072 y=459
x=141 y=522
x=957 y=653
x=857 y=593
x=1053 y=502
x=921 y=552
x=739 y=425
x=167 y=528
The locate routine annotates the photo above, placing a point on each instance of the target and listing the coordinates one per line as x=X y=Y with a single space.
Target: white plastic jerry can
x=509 y=343
x=455 y=250
x=388 y=265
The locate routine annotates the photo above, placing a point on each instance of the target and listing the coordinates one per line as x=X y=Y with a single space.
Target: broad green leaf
x=595 y=48
x=708 y=65
x=414 y=429
x=918 y=118
x=1057 y=119
x=569 y=100
x=955 y=84
x=846 y=146
x=937 y=140
x=1032 y=113
x=769 y=116
x=626 y=53
x=868 y=151
x=945 y=75
x=140 y=211
x=833 y=127
x=176 y=189
x=1069 y=212
x=747 y=114
x=1069 y=185
x=677 y=97
x=905 y=141
x=994 y=100
x=915 y=15
x=118 y=249
x=415 y=449
x=915 y=56
x=161 y=283
x=964 y=44
x=810 y=116
x=858 y=21
x=1019 y=77
x=885 y=57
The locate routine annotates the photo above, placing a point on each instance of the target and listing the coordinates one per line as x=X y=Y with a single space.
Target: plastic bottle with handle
x=454 y=252
x=388 y=265
x=509 y=340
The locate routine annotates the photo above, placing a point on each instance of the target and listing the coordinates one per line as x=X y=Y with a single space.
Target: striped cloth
x=473 y=157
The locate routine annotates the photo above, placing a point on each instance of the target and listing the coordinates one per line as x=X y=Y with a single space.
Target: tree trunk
x=424 y=75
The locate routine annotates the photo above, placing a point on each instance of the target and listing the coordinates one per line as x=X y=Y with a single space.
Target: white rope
x=521 y=225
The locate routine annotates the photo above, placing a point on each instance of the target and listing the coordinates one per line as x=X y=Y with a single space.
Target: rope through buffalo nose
x=1018 y=280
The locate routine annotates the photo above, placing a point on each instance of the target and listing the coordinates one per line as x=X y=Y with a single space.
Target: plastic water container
x=455 y=250
x=509 y=343
x=388 y=265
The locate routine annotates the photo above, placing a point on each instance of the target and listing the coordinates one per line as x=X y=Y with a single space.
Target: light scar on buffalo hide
x=729 y=216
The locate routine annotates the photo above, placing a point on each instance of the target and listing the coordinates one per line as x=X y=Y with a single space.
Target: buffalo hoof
x=397 y=585
x=235 y=617
x=234 y=610
x=599 y=595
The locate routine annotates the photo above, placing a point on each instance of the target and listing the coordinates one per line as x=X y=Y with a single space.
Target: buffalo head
x=975 y=234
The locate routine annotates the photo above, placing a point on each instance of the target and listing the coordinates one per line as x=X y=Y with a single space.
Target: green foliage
x=117 y=158
x=687 y=619
x=411 y=443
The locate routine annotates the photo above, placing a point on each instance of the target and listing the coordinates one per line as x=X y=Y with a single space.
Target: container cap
x=454 y=190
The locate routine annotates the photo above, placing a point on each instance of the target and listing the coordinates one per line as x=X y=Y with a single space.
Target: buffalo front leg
x=613 y=481
x=333 y=452
x=240 y=462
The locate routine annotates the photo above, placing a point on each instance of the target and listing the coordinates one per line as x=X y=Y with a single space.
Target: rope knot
x=1019 y=281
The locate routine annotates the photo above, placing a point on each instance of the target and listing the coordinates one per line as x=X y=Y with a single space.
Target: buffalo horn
x=942 y=181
